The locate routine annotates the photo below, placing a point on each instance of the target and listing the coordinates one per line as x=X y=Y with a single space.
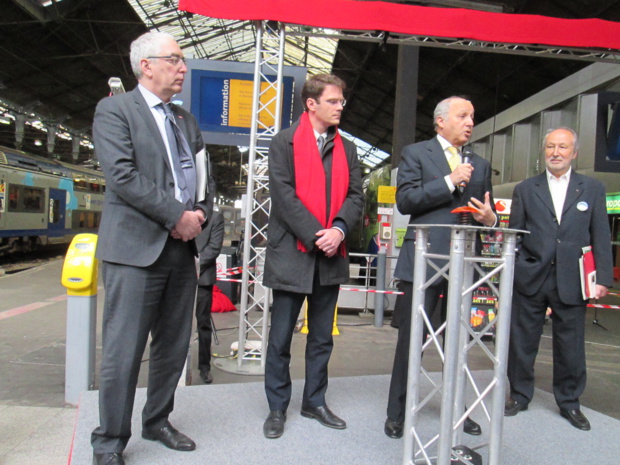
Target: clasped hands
x=188 y=226
x=329 y=240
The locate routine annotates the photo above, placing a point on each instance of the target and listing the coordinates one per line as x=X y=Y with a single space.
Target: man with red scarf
x=316 y=199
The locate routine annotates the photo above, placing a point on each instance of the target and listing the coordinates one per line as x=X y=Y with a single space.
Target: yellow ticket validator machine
x=79 y=276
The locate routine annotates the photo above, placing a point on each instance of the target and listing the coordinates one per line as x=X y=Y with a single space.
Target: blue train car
x=45 y=202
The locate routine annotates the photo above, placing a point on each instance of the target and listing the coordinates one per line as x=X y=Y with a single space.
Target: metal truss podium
x=444 y=445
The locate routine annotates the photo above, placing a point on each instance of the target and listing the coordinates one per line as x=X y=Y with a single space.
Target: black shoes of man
x=394 y=429
x=512 y=407
x=170 y=437
x=324 y=416
x=111 y=458
x=274 y=424
x=575 y=417
x=206 y=376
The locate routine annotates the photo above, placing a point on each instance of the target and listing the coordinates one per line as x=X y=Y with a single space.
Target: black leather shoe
x=576 y=418
x=393 y=429
x=206 y=376
x=512 y=407
x=471 y=427
x=170 y=438
x=274 y=424
x=112 y=458
x=325 y=416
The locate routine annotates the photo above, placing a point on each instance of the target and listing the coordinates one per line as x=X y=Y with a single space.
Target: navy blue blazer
x=423 y=193
x=584 y=222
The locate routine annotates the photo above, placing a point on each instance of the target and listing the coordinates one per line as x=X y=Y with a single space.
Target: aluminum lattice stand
x=269 y=61
x=438 y=447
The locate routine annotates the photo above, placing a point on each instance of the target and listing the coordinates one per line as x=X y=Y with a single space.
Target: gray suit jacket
x=140 y=209
x=423 y=194
x=209 y=245
x=584 y=222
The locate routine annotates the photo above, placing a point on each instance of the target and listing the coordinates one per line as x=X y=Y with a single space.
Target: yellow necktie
x=455 y=158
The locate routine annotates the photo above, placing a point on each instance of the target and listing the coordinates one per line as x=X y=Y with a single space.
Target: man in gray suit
x=209 y=244
x=428 y=189
x=564 y=211
x=153 y=211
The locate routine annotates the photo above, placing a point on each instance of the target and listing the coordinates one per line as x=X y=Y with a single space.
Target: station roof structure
x=57 y=56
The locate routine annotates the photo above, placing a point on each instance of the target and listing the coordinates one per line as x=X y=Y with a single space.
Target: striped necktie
x=182 y=161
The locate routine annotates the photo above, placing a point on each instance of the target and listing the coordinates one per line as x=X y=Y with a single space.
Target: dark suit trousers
x=569 y=358
x=156 y=299
x=319 y=344
x=204 y=301
x=397 y=399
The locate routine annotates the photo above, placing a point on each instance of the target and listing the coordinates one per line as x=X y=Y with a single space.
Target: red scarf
x=310 y=176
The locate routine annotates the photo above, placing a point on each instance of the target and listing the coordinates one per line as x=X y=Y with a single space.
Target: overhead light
x=46 y=3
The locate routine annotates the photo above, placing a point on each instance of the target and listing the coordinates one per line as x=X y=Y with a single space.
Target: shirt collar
x=565 y=176
x=152 y=100
x=444 y=143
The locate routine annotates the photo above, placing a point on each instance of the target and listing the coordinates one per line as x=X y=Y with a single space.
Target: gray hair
x=147 y=45
x=572 y=131
x=443 y=108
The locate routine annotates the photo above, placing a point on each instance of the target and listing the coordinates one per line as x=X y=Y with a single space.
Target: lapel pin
x=582 y=206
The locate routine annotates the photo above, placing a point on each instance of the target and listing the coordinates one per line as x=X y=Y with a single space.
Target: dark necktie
x=182 y=161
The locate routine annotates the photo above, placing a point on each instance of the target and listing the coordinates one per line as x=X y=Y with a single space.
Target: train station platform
x=226 y=417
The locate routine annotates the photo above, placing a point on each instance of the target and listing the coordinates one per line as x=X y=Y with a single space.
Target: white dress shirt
x=558 y=188
x=152 y=101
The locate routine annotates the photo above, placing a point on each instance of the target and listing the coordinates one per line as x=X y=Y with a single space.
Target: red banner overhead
x=418 y=20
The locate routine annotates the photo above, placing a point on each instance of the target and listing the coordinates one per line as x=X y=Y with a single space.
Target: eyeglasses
x=334 y=101
x=174 y=60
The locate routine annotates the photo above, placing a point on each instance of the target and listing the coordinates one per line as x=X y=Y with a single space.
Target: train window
x=14 y=198
x=33 y=200
x=54 y=211
x=26 y=199
x=80 y=185
x=85 y=220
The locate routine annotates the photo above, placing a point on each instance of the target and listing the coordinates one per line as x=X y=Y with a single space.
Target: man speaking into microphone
x=432 y=181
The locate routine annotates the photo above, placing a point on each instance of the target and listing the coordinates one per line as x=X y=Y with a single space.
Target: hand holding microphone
x=465 y=160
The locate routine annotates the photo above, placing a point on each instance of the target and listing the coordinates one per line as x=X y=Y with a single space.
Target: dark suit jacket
x=140 y=209
x=287 y=268
x=209 y=245
x=423 y=193
x=584 y=222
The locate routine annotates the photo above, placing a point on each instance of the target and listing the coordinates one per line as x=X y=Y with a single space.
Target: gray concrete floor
x=37 y=427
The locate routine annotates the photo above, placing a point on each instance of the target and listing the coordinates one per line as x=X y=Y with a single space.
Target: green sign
x=613 y=203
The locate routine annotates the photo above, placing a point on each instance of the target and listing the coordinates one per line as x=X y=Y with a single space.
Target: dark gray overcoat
x=287 y=268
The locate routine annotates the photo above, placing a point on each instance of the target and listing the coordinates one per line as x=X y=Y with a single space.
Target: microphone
x=465 y=158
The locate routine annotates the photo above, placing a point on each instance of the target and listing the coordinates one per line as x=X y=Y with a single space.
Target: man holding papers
x=564 y=212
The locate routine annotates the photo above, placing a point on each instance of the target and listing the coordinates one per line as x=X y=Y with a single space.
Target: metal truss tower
x=266 y=122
